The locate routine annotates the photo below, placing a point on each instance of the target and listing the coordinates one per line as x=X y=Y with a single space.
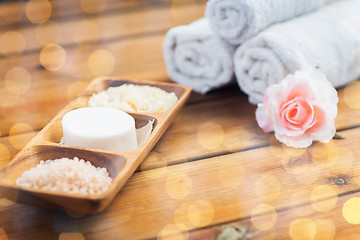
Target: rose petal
x=300 y=89
x=263 y=120
x=297 y=142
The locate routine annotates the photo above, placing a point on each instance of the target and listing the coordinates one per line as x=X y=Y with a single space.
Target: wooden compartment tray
x=120 y=165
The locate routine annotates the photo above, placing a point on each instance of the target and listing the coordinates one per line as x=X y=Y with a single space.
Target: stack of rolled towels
x=257 y=43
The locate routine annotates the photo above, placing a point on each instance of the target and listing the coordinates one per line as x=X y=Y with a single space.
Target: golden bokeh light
x=12 y=44
x=17 y=80
x=5 y=155
x=325 y=154
x=101 y=62
x=234 y=136
x=19 y=134
x=3 y=235
x=195 y=214
x=13 y=12
x=53 y=57
x=93 y=6
x=157 y=163
x=302 y=229
x=263 y=216
x=298 y=198
x=325 y=229
x=71 y=236
x=307 y=175
x=48 y=32
x=351 y=95
x=293 y=152
x=8 y=99
x=75 y=89
x=268 y=188
x=210 y=135
x=38 y=11
x=324 y=198
x=355 y=60
x=178 y=185
x=231 y=175
x=173 y=232
x=345 y=161
x=282 y=151
x=86 y=31
x=351 y=210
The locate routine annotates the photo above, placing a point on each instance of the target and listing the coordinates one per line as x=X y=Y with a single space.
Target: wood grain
x=213 y=168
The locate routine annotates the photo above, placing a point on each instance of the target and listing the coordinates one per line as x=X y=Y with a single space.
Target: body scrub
x=135 y=98
x=72 y=176
x=100 y=128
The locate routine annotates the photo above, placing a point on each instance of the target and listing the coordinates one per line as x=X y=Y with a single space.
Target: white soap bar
x=100 y=128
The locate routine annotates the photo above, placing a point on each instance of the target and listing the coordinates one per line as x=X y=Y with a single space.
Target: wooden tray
x=120 y=165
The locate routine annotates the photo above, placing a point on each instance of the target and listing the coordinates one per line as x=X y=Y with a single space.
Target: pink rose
x=300 y=109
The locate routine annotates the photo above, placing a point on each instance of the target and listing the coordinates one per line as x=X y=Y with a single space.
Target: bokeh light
x=3 y=235
x=233 y=138
x=16 y=138
x=71 y=236
x=355 y=61
x=178 y=185
x=298 y=198
x=53 y=57
x=48 y=32
x=12 y=44
x=231 y=175
x=282 y=151
x=324 y=198
x=17 y=80
x=157 y=162
x=195 y=214
x=86 y=31
x=4 y=155
x=325 y=229
x=75 y=88
x=8 y=99
x=210 y=135
x=351 y=95
x=14 y=11
x=263 y=216
x=173 y=232
x=101 y=62
x=302 y=229
x=325 y=155
x=268 y=188
x=38 y=11
x=93 y=6
x=351 y=210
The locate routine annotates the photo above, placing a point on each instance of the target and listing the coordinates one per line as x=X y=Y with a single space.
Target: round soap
x=100 y=128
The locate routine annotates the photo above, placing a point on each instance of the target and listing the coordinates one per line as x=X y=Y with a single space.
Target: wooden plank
x=12 y=13
x=221 y=189
x=302 y=222
x=94 y=29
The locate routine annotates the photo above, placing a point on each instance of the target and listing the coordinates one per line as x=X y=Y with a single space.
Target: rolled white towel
x=327 y=38
x=238 y=20
x=197 y=57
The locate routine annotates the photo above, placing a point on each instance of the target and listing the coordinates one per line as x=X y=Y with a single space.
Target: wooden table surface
x=213 y=175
